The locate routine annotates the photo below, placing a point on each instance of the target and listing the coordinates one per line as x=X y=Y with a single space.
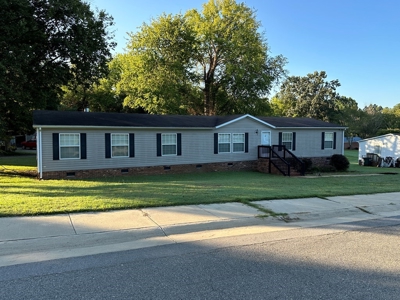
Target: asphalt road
x=346 y=261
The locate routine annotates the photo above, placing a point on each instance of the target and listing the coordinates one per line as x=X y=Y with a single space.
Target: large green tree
x=100 y=97
x=45 y=44
x=311 y=96
x=371 y=121
x=214 y=61
x=391 y=118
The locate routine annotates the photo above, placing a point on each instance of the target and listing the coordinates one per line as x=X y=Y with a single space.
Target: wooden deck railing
x=286 y=159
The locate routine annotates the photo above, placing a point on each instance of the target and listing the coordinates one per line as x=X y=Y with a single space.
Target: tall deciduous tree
x=392 y=118
x=310 y=96
x=211 y=62
x=371 y=121
x=45 y=44
x=101 y=97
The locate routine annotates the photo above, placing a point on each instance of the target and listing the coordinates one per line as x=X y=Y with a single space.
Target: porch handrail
x=287 y=154
x=262 y=154
x=281 y=159
x=299 y=161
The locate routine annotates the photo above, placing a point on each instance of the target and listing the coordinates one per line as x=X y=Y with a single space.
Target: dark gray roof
x=74 y=118
x=296 y=122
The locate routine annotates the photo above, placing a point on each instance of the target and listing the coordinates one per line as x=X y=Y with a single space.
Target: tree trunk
x=206 y=99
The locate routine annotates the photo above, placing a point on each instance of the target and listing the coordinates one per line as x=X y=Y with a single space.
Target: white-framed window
x=224 y=143
x=328 y=142
x=169 y=144
x=238 y=142
x=70 y=145
x=119 y=145
x=287 y=140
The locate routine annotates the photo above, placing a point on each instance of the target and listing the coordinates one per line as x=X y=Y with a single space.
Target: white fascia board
x=113 y=127
x=242 y=117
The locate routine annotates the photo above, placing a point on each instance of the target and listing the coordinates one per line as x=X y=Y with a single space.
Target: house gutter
x=343 y=142
x=39 y=155
x=117 y=127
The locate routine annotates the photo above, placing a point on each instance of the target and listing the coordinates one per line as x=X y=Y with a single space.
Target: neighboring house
x=83 y=144
x=387 y=145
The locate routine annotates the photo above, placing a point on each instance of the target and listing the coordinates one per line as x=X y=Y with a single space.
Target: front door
x=266 y=138
x=265 y=141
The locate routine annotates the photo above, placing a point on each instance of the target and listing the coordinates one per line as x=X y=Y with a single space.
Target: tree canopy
x=45 y=44
x=311 y=96
x=211 y=62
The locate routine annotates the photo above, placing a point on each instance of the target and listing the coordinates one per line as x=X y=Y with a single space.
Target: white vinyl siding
x=224 y=143
x=287 y=140
x=168 y=143
x=238 y=140
x=377 y=149
x=119 y=145
x=197 y=147
x=69 y=146
x=328 y=142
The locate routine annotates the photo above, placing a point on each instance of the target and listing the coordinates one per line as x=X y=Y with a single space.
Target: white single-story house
x=387 y=145
x=87 y=144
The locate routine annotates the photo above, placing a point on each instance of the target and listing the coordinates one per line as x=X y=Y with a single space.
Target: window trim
x=287 y=141
x=244 y=142
x=326 y=140
x=62 y=146
x=176 y=144
x=217 y=142
x=112 y=145
x=230 y=142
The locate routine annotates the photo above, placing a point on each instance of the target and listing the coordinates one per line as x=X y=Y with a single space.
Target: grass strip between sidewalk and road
x=22 y=195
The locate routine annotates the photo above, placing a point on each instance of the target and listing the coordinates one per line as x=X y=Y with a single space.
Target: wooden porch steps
x=263 y=166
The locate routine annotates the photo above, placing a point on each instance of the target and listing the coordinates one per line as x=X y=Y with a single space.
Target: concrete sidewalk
x=31 y=239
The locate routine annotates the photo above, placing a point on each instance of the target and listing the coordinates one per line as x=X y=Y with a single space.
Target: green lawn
x=22 y=195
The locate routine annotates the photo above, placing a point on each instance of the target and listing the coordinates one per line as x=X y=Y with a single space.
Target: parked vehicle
x=31 y=144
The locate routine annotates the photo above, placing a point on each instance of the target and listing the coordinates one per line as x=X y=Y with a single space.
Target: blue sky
x=354 y=41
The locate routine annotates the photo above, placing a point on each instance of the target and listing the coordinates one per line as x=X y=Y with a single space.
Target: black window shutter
x=323 y=141
x=215 y=143
x=179 y=143
x=246 y=142
x=294 y=142
x=108 y=145
x=280 y=138
x=83 y=146
x=334 y=140
x=158 y=144
x=131 y=145
x=56 y=147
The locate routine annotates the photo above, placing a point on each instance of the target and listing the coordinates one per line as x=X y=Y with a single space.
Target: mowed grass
x=22 y=195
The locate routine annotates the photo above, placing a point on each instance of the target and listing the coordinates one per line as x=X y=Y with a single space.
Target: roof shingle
x=74 y=118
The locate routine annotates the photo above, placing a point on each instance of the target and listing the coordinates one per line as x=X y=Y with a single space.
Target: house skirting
x=260 y=165
x=156 y=170
x=263 y=164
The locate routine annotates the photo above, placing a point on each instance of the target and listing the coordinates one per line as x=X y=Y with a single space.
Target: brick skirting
x=172 y=169
x=263 y=164
x=260 y=165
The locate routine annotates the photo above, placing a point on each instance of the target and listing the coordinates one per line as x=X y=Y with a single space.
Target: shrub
x=307 y=164
x=340 y=162
x=323 y=169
